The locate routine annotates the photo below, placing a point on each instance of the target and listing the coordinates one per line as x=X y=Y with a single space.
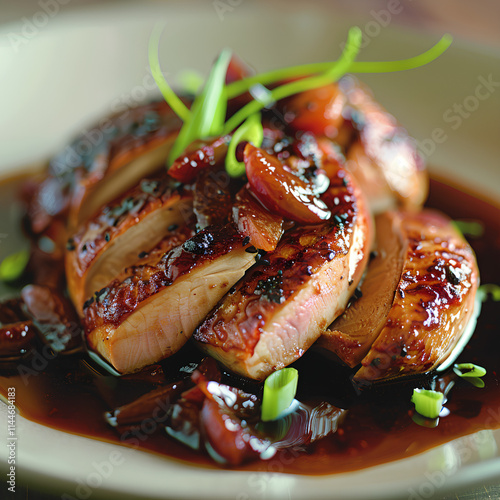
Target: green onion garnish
x=208 y=110
x=13 y=265
x=169 y=95
x=190 y=81
x=489 y=289
x=469 y=370
x=334 y=72
x=250 y=130
x=279 y=391
x=207 y=114
x=469 y=228
x=476 y=382
x=427 y=403
x=239 y=87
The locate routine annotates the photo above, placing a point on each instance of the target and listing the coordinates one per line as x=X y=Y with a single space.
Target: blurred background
x=476 y=21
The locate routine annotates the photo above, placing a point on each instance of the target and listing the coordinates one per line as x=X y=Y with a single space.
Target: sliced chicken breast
x=352 y=334
x=433 y=301
x=123 y=230
x=151 y=313
x=278 y=310
x=102 y=163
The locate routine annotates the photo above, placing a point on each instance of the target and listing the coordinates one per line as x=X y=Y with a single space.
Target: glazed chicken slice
x=150 y=314
x=379 y=152
x=282 y=305
x=352 y=334
x=102 y=163
x=433 y=302
x=123 y=230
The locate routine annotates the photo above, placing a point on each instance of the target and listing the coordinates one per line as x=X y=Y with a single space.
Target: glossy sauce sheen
x=67 y=395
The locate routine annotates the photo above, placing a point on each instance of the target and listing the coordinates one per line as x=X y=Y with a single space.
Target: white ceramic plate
x=66 y=70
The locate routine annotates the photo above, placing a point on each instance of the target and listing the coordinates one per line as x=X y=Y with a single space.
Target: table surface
x=472 y=21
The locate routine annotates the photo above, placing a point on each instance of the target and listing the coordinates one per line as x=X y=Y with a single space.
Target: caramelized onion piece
x=280 y=191
x=262 y=227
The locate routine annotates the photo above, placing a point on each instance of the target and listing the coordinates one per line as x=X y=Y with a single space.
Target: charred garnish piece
x=213 y=197
x=154 y=404
x=281 y=191
x=112 y=240
x=430 y=309
x=199 y=156
x=150 y=314
x=279 y=309
x=18 y=335
x=54 y=317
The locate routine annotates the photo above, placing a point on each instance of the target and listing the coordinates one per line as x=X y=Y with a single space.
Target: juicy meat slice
x=352 y=334
x=286 y=301
x=433 y=302
x=121 y=231
x=384 y=157
x=263 y=227
x=151 y=313
x=103 y=162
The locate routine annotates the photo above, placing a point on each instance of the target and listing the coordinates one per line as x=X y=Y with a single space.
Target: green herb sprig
x=206 y=117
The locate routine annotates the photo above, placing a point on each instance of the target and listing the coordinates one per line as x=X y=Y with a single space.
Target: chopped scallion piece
x=469 y=370
x=279 y=391
x=469 y=228
x=250 y=130
x=427 y=403
x=208 y=111
x=476 y=382
x=489 y=289
x=13 y=265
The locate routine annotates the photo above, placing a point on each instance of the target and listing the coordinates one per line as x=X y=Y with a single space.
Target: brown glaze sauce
x=65 y=393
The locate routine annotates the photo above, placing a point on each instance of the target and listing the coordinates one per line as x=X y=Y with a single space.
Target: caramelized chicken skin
x=281 y=306
x=150 y=314
x=433 y=287
x=130 y=226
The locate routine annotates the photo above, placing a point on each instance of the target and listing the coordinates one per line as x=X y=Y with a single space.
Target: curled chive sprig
x=206 y=117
